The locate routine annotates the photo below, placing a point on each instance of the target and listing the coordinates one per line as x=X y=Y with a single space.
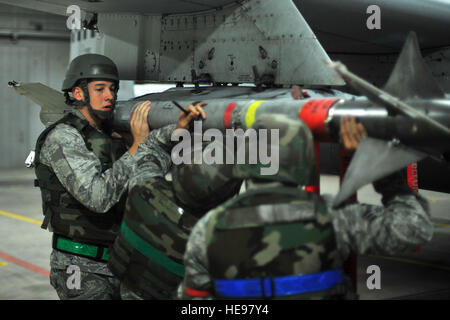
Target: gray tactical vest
x=67 y=216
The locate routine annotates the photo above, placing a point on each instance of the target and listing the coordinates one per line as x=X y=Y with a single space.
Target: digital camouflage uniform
x=147 y=256
x=277 y=230
x=79 y=170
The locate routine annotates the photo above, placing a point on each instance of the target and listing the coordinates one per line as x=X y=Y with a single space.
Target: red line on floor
x=24 y=264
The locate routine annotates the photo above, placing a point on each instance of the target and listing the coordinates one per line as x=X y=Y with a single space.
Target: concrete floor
x=25 y=247
x=23 y=240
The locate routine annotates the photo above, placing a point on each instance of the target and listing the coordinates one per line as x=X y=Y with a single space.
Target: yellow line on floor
x=442 y=225
x=2 y=264
x=413 y=262
x=19 y=217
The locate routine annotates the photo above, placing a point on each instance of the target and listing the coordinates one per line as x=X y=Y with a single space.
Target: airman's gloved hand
x=392 y=185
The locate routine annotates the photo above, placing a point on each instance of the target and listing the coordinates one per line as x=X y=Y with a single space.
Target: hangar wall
x=34 y=47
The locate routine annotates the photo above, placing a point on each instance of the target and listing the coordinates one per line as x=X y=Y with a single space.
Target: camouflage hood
x=201 y=187
x=293 y=148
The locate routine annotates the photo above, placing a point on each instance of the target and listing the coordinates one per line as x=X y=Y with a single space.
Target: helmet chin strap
x=100 y=115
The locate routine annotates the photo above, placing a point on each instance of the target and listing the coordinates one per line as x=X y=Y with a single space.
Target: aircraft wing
x=222 y=41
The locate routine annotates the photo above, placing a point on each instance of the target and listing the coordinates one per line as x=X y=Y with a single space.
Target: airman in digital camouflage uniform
x=278 y=241
x=147 y=256
x=83 y=173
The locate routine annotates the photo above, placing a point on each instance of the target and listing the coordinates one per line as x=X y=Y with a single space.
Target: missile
x=322 y=115
x=238 y=107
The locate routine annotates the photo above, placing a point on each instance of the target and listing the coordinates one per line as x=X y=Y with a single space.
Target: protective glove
x=392 y=185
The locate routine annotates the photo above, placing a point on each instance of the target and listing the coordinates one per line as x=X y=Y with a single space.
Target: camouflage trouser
x=127 y=294
x=92 y=286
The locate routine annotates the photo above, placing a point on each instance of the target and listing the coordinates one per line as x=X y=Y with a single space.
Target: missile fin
x=411 y=76
x=51 y=101
x=373 y=160
x=392 y=103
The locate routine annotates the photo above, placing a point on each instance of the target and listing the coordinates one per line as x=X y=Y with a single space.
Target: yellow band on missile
x=250 y=115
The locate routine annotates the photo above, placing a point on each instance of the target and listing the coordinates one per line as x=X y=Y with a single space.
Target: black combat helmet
x=201 y=187
x=90 y=66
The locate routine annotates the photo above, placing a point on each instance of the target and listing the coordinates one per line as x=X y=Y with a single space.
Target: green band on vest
x=80 y=248
x=150 y=252
x=105 y=255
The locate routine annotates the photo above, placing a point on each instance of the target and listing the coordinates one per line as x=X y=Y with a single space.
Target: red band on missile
x=227 y=115
x=312 y=189
x=197 y=293
x=314 y=113
x=413 y=181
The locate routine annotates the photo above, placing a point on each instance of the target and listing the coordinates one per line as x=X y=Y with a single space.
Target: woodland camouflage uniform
x=147 y=256
x=278 y=241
